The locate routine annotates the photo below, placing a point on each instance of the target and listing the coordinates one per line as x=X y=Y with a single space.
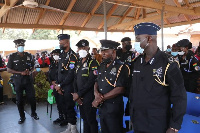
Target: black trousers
x=30 y=94
x=59 y=99
x=68 y=107
x=111 y=117
x=88 y=114
x=190 y=84
x=1 y=93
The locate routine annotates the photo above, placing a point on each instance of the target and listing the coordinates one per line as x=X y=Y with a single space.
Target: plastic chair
x=50 y=100
x=193 y=104
x=125 y=118
x=191 y=124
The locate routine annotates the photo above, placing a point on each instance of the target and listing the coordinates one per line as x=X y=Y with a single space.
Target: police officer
x=156 y=84
x=20 y=64
x=125 y=54
x=64 y=83
x=110 y=85
x=86 y=72
x=189 y=65
x=53 y=74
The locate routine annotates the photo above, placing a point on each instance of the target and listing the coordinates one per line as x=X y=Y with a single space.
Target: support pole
x=105 y=21
x=162 y=25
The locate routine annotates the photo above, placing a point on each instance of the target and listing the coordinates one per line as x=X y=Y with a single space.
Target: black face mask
x=62 y=47
x=128 y=47
x=107 y=61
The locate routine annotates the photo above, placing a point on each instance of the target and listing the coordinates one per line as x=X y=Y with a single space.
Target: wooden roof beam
x=137 y=15
x=69 y=8
x=187 y=3
x=114 y=7
x=53 y=27
x=8 y=4
x=125 y=15
x=158 y=5
x=89 y=16
x=179 y=5
x=149 y=19
x=182 y=23
x=41 y=14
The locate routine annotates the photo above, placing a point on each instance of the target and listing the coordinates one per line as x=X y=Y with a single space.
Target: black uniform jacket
x=150 y=102
x=18 y=63
x=66 y=68
x=188 y=65
x=86 y=74
x=125 y=57
x=53 y=71
x=116 y=75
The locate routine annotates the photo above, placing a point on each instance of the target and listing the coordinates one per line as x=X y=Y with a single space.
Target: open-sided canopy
x=87 y=15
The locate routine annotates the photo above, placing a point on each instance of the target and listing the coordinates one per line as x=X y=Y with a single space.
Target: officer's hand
x=99 y=97
x=95 y=103
x=75 y=96
x=60 y=92
x=27 y=72
x=24 y=73
x=79 y=101
x=169 y=130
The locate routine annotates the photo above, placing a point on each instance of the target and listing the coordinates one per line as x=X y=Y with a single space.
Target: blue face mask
x=20 y=49
x=168 y=50
x=174 y=53
x=37 y=69
x=138 y=48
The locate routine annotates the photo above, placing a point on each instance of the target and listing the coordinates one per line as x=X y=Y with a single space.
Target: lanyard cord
x=114 y=85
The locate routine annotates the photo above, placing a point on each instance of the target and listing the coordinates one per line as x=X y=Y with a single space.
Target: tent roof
x=87 y=15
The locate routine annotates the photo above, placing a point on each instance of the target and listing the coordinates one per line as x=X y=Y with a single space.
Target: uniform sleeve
x=32 y=61
x=91 y=79
x=123 y=77
x=177 y=95
x=194 y=63
x=75 y=81
x=10 y=62
x=71 y=70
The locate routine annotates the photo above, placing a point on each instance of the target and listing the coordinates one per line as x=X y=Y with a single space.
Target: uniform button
x=101 y=89
x=102 y=80
x=16 y=64
x=105 y=71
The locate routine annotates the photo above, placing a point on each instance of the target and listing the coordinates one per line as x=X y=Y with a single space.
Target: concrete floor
x=9 y=120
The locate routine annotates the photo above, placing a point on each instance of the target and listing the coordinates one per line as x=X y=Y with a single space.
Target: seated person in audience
x=44 y=61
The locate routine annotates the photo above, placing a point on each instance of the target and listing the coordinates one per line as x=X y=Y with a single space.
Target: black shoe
x=21 y=120
x=63 y=123
x=34 y=116
x=58 y=120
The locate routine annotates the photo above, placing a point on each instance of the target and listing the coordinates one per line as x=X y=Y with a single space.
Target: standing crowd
x=154 y=81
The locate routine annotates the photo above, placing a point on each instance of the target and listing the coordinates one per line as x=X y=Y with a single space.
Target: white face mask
x=56 y=57
x=82 y=53
x=181 y=53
